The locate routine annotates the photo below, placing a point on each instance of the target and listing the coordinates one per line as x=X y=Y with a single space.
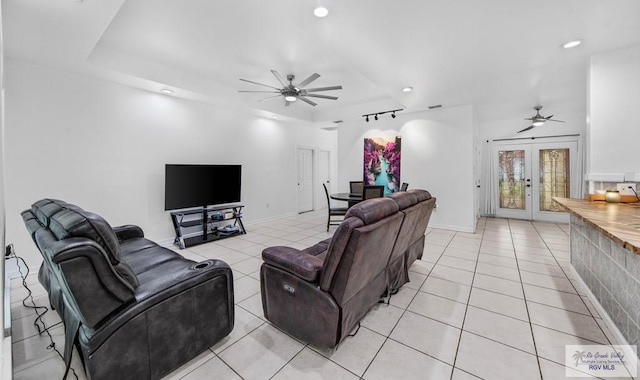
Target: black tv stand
x=213 y=224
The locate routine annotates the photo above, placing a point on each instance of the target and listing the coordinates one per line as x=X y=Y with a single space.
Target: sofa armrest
x=87 y=279
x=299 y=263
x=128 y=231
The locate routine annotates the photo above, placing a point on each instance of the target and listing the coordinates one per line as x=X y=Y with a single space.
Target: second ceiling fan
x=293 y=92
x=538 y=120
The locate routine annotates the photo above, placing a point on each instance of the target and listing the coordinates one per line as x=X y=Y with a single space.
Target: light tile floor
x=500 y=303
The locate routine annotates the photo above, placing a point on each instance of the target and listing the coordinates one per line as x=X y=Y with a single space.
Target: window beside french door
x=530 y=175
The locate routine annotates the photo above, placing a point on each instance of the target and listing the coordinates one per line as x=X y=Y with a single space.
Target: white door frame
x=320 y=199
x=300 y=208
x=532 y=201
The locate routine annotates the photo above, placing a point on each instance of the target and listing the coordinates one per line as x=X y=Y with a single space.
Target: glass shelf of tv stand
x=209 y=220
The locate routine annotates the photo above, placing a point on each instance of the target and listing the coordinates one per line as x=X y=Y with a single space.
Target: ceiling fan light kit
x=321 y=12
x=572 y=44
x=293 y=92
x=538 y=120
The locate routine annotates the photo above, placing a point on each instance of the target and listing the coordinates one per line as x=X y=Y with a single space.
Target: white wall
x=614 y=103
x=437 y=155
x=103 y=146
x=5 y=341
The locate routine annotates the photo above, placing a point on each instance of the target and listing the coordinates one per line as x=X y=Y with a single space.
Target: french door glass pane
x=554 y=178
x=511 y=181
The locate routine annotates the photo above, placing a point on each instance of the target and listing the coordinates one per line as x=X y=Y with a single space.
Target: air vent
x=436 y=106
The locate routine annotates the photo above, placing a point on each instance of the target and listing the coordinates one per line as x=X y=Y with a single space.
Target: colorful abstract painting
x=382 y=162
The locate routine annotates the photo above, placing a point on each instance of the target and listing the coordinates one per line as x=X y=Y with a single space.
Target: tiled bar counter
x=605 y=251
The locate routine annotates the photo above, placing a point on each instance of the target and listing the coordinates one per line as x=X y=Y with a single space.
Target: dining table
x=351 y=199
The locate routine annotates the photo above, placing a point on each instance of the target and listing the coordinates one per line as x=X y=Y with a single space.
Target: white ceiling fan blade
x=324 y=89
x=307 y=101
x=279 y=78
x=311 y=78
x=557 y=121
x=269 y=92
x=259 y=84
x=322 y=96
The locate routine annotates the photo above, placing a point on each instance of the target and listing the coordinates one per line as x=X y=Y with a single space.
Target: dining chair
x=333 y=211
x=355 y=187
x=404 y=186
x=369 y=192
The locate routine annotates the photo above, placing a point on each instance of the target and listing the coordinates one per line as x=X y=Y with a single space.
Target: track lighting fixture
x=375 y=115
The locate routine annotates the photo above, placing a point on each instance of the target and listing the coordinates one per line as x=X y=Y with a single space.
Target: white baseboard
x=451 y=228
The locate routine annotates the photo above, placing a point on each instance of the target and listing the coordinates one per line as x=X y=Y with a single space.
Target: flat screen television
x=189 y=186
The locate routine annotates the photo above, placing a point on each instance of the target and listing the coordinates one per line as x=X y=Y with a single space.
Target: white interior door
x=324 y=174
x=305 y=179
x=530 y=175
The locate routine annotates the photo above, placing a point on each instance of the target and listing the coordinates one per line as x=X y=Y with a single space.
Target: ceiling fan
x=293 y=92
x=537 y=120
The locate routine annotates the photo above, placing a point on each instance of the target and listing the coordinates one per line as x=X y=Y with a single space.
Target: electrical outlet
x=624 y=189
x=8 y=251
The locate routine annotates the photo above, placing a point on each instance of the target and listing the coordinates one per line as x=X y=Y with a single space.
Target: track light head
x=376 y=115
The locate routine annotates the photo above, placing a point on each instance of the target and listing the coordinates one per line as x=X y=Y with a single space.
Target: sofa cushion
x=31 y=222
x=404 y=199
x=422 y=195
x=77 y=223
x=43 y=209
x=373 y=210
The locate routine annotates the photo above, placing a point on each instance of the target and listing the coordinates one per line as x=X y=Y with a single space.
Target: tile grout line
x=533 y=338
x=466 y=309
x=574 y=287
x=407 y=307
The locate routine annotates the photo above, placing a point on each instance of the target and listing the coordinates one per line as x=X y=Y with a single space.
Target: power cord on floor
x=9 y=253
x=634 y=191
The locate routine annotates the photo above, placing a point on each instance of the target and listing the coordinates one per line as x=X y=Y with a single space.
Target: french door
x=530 y=175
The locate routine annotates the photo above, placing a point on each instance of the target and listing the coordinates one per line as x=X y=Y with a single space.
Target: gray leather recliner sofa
x=134 y=309
x=319 y=294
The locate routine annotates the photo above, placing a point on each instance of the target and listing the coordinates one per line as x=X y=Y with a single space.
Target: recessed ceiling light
x=407 y=89
x=321 y=12
x=274 y=117
x=290 y=98
x=571 y=44
x=166 y=91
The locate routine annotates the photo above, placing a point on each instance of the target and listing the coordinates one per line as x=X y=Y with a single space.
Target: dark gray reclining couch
x=135 y=310
x=320 y=294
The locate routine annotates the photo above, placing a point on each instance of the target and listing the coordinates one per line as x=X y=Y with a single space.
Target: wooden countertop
x=618 y=221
